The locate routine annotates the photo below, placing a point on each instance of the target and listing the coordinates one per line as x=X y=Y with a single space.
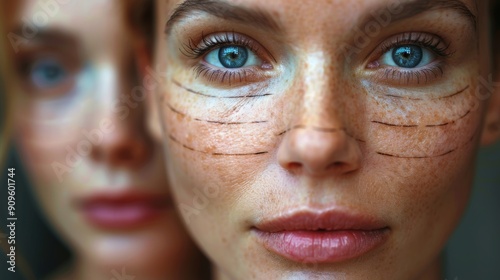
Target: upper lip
x=122 y=198
x=326 y=220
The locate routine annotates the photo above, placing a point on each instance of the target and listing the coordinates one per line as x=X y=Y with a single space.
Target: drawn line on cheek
x=321 y=129
x=210 y=121
x=214 y=96
x=434 y=156
x=214 y=153
x=428 y=125
x=444 y=97
x=395 y=125
x=447 y=123
x=416 y=157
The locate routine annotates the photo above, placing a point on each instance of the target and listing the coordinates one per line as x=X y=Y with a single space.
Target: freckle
x=210 y=149
x=180 y=117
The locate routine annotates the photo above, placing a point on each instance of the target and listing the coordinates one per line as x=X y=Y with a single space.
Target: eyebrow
x=257 y=17
x=417 y=7
x=223 y=10
x=51 y=36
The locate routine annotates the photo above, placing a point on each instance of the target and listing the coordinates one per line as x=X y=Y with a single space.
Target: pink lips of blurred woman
x=107 y=196
x=123 y=210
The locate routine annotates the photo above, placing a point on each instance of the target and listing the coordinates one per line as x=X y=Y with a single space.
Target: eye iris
x=47 y=74
x=408 y=56
x=233 y=56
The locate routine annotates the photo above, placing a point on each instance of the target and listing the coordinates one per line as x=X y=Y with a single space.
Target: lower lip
x=131 y=215
x=322 y=246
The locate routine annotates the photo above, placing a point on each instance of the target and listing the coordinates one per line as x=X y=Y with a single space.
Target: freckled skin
x=415 y=178
x=47 y=122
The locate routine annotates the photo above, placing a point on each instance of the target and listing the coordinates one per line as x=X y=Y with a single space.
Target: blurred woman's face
x=320 y=138
x=80 y=130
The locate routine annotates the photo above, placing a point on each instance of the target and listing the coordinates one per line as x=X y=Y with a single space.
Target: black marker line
x=211 y=121
x=213 y=154
x=214 y=96
x=440 y=155
x=467 y=87
x=428 y=125
x=447 y=123
x=437 y=98
x=321 y=129
x=415 y=157
x=395 y=125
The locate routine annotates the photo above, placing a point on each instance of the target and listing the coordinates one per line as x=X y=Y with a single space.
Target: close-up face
x=80 y=130
x=321 y=139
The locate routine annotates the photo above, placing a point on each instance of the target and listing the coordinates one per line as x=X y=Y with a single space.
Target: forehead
x=80 y=18
x=290 y=13
x=91 y=22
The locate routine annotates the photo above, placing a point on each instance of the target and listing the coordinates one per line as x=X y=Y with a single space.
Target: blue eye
x=47 y=73
x=407 y=56
x=232 y=56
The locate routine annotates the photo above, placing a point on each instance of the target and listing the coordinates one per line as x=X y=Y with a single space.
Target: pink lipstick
x=325 y=237
x=123 y=210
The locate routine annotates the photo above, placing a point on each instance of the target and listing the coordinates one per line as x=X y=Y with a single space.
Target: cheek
x=50 y=137
x=421 y=128
x=418 y=157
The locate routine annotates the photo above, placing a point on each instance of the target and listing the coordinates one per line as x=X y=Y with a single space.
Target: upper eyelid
x=433 y=43
x=219 y=39
x=423 y=39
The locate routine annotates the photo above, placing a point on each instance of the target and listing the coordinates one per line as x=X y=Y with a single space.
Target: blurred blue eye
x=232 y=56
x=47 y=73
x=407 y=56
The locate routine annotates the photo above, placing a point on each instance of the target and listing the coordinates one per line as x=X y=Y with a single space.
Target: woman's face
x=80 y=129
x=320 y=139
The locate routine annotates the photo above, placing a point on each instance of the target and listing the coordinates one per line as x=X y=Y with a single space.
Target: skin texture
x=322 y=122
x=97 y=56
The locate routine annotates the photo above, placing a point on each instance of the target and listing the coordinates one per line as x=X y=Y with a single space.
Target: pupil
x=233 y=56
x=407 y=56
x=47 y=74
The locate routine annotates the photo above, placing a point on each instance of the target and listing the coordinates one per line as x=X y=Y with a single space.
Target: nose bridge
x=319 y=106
x=127 y=143
x=120 y=94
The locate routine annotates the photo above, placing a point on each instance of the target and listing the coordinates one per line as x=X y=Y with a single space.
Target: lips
x=122 y=210
x=321 y=237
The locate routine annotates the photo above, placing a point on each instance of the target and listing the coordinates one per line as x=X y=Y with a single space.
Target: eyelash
x=211 y=42
x=392 y=74
x=406 y=76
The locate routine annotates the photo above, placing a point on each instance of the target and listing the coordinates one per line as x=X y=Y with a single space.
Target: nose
x=124 y=147
x=318 y=142
x=125 y=143
x=316 y=151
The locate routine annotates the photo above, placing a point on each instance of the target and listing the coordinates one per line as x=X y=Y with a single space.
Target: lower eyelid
x=397 y=77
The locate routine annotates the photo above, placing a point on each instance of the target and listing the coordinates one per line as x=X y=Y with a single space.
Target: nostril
x=336 y=165
x=294 y=166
